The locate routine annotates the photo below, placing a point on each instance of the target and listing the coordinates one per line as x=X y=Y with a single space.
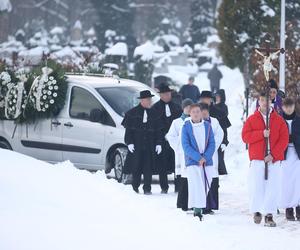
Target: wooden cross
x=268 y=56
x=268 y=67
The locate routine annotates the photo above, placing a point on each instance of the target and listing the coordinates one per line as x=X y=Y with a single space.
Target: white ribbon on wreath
x=18 y=107
x=37 y=87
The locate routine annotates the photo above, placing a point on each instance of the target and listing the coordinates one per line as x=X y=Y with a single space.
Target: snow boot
x=257 y=218
x=164 y=191
x=289 y=214
x=298 y=213
x=269 y=222
x=198 y=213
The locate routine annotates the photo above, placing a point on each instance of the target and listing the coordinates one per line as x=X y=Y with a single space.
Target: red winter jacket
x=253 y=135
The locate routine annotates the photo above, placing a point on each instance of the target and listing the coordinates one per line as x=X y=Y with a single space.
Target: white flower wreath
x=15 y=100
x=5 y=80
x=43 y=91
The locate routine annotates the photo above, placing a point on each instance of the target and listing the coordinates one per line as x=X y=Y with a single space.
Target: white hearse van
x=87 y=131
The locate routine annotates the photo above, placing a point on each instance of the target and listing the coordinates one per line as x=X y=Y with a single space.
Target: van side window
x=83 y=102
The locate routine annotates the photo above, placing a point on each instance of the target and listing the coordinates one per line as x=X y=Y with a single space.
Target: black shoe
x=208 y=211
x=257 y=218
x=289 y=214
x=269 y=222
x=147 y=192
x=199 y=215
x=298 y=213
x=164 y=191
x=136 y=190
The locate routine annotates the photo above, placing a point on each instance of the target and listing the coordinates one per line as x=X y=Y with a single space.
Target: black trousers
x=183 y=194
x=167 y=165
x=221 y=167
x=144 y=168
x=213 y=195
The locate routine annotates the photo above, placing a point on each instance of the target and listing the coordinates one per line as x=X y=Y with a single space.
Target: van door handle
x=56 y=123
x=69 y=124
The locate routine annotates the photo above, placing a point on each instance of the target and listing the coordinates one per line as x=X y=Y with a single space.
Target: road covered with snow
x=53 y=207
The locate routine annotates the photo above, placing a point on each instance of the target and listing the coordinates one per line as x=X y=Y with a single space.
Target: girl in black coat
x=225 y=124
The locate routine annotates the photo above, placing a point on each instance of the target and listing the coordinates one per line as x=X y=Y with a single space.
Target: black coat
x=214 y=75
x=190 y=91
x=296 y=134
x=165 y=162
x=220 y=112
x=144 y=137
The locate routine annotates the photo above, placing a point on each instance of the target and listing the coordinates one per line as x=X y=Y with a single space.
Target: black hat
x=206 y=94
x=145 y=94
x=273 y=84
x=163 y=88
x=186 y=102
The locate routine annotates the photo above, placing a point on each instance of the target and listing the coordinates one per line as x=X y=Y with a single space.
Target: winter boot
x=208 y=211
x=269 y=222
x=198 y=213
x=135 y=189
x=164 y=191
x=289 y=214
x=257 y=218
x=298 y=213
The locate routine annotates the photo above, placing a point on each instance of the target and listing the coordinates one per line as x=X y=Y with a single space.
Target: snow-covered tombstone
x=143 y=59
x=76 y=33
x=118 y=54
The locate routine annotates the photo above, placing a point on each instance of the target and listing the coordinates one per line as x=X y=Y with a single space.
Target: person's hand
x=268 y=158
x=158 y=149
x=266 y=133
x=131 y=148
x=223 y=147
x=202 y=162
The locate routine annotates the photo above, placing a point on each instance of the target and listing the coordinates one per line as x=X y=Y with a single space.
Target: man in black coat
x=143 y=139
x=190 y=91
x=215 y=76
x=167 y=111
x=221 y=114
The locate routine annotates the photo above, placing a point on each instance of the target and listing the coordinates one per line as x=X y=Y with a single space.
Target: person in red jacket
x=264 y=193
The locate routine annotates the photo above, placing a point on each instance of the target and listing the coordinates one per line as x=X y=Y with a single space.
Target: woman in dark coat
x=225 y=124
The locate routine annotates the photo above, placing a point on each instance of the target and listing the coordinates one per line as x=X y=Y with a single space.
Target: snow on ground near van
x=49 y=207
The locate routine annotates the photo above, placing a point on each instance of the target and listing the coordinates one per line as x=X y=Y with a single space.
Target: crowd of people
x=190 y=141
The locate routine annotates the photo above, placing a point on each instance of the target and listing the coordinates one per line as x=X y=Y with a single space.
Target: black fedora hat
x=145 y=94
x=163 y=88
x=206 y=94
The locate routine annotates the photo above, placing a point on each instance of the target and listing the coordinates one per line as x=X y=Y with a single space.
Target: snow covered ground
x=59 y=207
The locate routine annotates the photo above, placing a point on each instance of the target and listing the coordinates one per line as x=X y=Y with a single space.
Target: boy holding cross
x=264 y=189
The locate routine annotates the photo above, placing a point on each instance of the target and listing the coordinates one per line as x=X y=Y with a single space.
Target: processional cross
x=269 y=55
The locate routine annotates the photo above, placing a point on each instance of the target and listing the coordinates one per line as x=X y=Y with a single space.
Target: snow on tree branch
x=5 y=5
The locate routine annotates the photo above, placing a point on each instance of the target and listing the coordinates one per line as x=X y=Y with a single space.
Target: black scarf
x=289 y=117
